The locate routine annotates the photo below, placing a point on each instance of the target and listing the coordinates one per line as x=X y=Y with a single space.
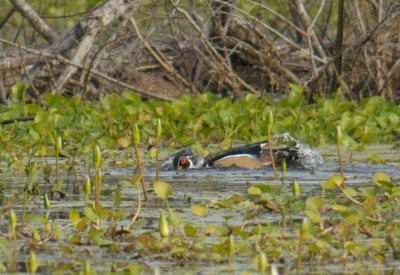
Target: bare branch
x=5 y=19
x=89 y=27
x=35 y=20
x=94 y=72
x=305 y=18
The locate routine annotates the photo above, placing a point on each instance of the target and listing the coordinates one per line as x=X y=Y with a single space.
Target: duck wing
x=252 y=156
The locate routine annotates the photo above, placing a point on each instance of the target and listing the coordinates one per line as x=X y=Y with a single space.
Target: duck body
x=252 y=156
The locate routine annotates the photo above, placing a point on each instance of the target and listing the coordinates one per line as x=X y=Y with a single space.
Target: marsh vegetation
x=94 y=94
x=72 y=193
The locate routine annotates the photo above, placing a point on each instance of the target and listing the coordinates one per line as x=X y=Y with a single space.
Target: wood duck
x=252 y=156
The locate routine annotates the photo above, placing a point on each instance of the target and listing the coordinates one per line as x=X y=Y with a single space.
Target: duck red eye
x=183 y=161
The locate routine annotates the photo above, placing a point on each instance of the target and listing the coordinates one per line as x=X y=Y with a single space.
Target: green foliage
x=203 y=119
x=163 y=189
x=199 y=210
x=18 y=92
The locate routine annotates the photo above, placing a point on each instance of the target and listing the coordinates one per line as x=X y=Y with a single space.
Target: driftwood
x=230 y=51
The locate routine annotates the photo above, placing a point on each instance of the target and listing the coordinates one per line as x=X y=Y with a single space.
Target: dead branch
x=90 y=26
x=307 y=22
x=158 y=56
x=96 y=73
x=35 y=20
x=224 y=47
x=218 y=61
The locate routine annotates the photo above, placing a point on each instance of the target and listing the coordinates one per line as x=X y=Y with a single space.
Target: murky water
x=190 y=187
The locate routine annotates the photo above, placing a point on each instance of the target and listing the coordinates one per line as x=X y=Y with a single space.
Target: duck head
x=184 y=159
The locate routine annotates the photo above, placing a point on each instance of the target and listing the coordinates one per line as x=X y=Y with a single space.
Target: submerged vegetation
x=272 y=224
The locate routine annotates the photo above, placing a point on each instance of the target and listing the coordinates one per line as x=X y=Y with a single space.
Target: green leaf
x=380 y=177
x=120 y=214
x=352 y=219
x=254 y=190
x=108 y=142
x=199 y=210
x=163 y=189
x=333 y=182
x=351 y=192
x=89 y=214
x=190 y=231
x=174 y=219
x=339 y=208
x=74 y=216
x=18 y=91
x=315 y=203
x=313 y=215
x=103 y=213
x=295 y=88
x=346 y=123
x=226 y=116
x=177 y=251
x=35 y=218
x=100 y=241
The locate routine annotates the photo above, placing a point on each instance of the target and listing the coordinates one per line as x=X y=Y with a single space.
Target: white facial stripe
x=195 y=162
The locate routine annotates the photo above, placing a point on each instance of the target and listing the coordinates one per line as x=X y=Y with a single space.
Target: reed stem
x=136 y=141
x=270 y=121
x=339 y=139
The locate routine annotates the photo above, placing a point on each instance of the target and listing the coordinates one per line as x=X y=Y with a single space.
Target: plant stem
x=57 y=173
x=339 y=139
x=140 y=168
x=271 y=153
x=23 y=215
x=157 y=158
x=339 y=150
x=158 y=136
x=356 y=202
x=97 y=192
x=139 y=207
